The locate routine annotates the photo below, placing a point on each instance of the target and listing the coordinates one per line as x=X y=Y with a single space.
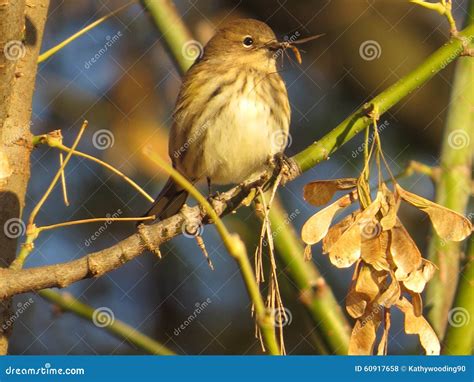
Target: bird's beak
x=275 y=45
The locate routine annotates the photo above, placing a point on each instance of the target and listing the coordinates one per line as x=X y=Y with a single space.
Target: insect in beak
x=291 y=45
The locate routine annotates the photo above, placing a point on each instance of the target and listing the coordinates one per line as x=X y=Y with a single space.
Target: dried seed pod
x=448 y=224
x=320 y=192
x=316 y=227
x=418 y=325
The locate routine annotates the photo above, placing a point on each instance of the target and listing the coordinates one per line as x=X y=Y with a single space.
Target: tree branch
x=96 y=264
x=21 y=30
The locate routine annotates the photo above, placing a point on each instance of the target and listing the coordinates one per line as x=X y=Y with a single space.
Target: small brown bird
x=232 y=114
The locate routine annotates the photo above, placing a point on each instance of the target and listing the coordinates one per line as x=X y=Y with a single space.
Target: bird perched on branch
x=232 y=113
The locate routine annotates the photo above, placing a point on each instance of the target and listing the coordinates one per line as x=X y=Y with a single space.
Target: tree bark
x=21 y=30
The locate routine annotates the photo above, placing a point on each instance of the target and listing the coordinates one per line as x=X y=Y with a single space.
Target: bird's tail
x=170 y=200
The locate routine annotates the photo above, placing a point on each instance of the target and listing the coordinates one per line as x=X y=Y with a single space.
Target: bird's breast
x=252 y=127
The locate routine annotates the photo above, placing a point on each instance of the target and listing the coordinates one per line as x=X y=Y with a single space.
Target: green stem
x=116 y=327
x=236 y=249
x=315 y=294
x=358 y=121
x=459 y=338
x=175 y=33
x=453 y=190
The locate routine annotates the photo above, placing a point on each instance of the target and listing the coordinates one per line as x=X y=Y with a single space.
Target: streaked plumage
x=232 y=114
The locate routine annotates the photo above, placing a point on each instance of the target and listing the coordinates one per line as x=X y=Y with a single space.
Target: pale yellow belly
x=241 y=141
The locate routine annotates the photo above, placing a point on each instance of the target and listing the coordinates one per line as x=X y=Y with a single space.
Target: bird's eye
x=248 y=41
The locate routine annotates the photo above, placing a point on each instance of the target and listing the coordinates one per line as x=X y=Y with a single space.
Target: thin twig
x=444 y=8
x=92 y=220
x=50 y=52
x=63 y=180
x=202 y=247
x=52 y=141
x=38 y=205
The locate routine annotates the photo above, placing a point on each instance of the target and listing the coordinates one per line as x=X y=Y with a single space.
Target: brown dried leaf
x=369 y=281
x=417 y=303
x=405 y=254
x=364 y=333
x=418 y=325
x=320 y=192
x=389 y=208
x=448 y=224
x=428 y=269
x=346 y=250
x=335 y=232
x=391 y=295
x=417 y=280
x=316 y=227
x=383 y=345
x=355 y=304
x=355 y=301
x=374 y=251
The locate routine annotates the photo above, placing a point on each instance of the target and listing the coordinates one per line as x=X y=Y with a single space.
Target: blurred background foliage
x=130 y=90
